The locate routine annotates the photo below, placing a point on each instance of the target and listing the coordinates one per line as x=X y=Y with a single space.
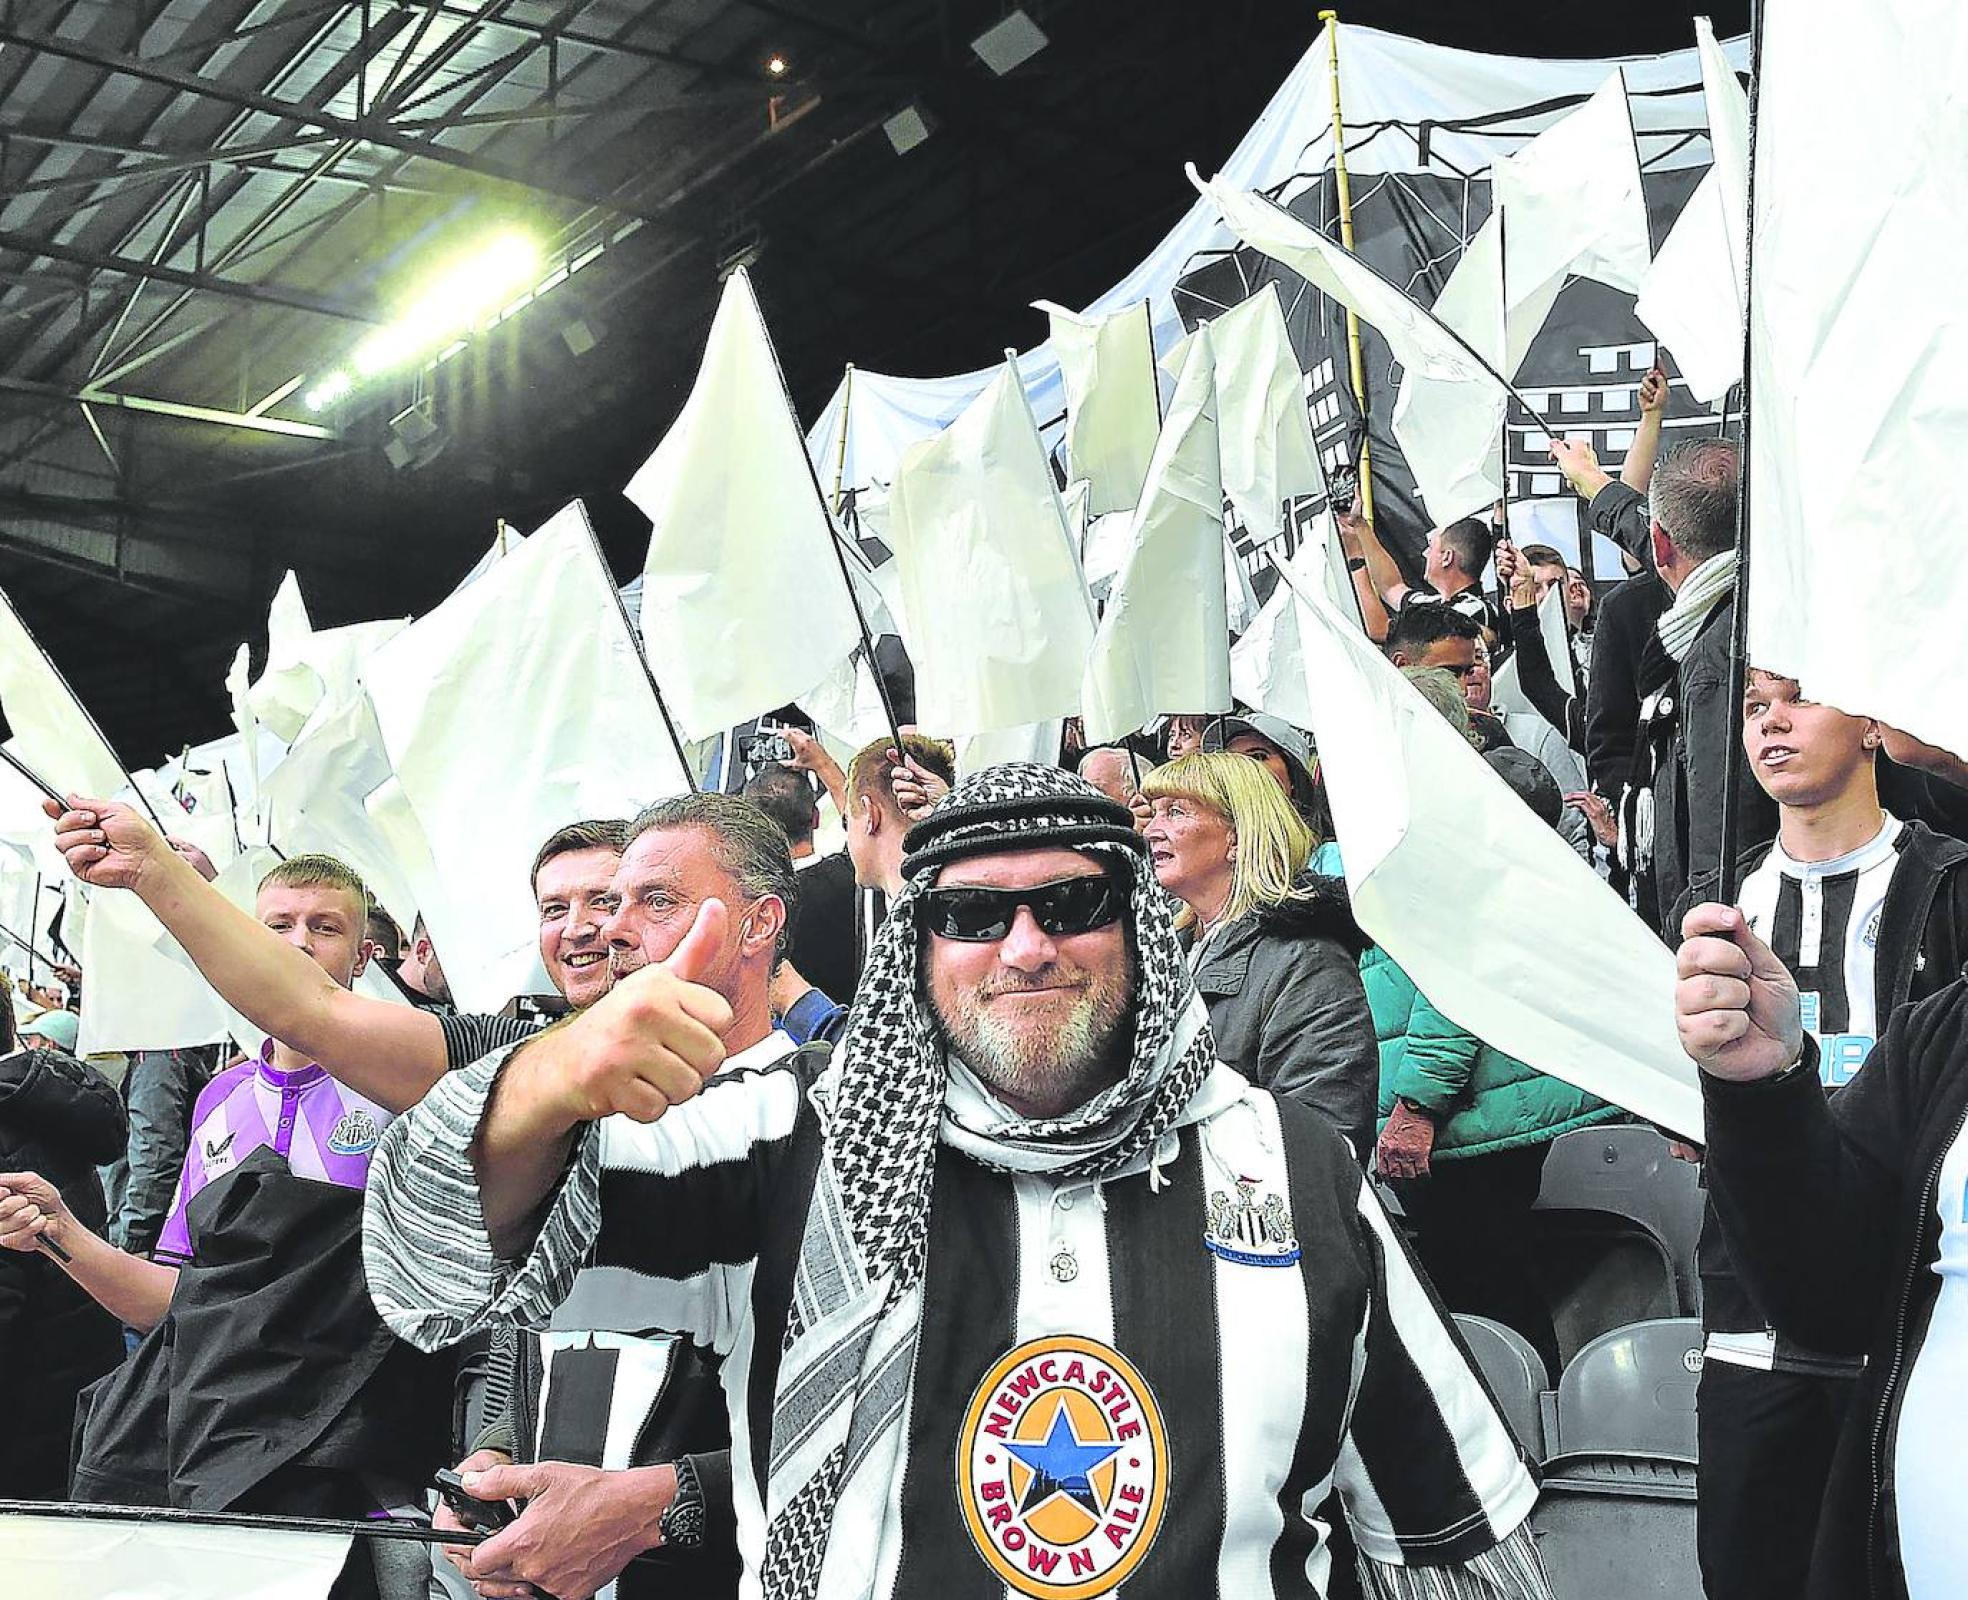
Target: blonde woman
x=1275 y=947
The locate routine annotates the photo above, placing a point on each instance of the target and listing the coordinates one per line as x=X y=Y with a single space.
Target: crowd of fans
x=646 y=1277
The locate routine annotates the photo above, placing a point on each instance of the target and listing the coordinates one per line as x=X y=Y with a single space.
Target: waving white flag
x=518 y=706
x=994 y=610
x=304 y=666
x=1427 y=824
x=1858 y=338
x=743 y=608
x=1572 y=200
x=1451 y=409
x=52 y=733
x=1113 y=411
x=62 y=1558
x=1472 y=301
x=1163 y=643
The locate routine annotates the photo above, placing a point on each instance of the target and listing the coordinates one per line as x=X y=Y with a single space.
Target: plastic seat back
x=1628 y=1172
x=1515 y=1374
x=1631 y=1392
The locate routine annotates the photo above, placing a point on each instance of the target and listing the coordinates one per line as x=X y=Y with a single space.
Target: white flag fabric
x=994 y=611
x=1163 y=643
x=305 y=666
x=1858 y=337
x=1693 y=296
x=1450 y=413
x=1692 y=299
x=52 y=733
x=1572 y=200
x=1728 y=134
x=515 y=707
x=63 y=1558
x=1264 y=428
x=743 y=607
x=1424 y=823
x=1267 y=664
x=138 y=997
x=1037 y=741
x=1113 y=411
x=1471 y=302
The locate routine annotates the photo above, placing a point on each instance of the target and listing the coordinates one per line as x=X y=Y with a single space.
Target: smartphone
x=1342 y=484
x=483 y=1516
x=759 y=749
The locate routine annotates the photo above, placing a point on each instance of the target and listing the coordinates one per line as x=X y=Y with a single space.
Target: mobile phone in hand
x=482 y=1516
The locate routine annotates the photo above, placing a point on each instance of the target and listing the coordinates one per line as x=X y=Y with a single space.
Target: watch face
x=683 y=1524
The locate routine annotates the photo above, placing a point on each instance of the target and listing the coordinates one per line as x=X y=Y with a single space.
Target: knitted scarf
x=851 y=1331
x=1703 y=590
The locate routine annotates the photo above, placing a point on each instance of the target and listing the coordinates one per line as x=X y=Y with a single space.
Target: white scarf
x=1698 y=595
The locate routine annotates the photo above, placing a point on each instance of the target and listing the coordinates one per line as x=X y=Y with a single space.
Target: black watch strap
x=682 y=1524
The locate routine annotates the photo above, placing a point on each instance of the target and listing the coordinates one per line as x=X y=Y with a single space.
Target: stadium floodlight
x=330 y=389
x=453 y=302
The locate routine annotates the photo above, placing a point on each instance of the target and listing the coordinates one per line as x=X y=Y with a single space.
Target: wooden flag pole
x=840 y=444
x=1734 y=757
x=1356 y=364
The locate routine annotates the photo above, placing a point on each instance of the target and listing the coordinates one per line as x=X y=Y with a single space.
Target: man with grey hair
x=1114 y=771
x=1671 y=819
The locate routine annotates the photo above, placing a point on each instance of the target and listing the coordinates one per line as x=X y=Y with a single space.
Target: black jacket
x=822 y=944
x=1923 y=947
x=1829 y=1206
x=61 y=1118
x=1282 y=984
x=1620 y=514
x=271 y=1376
x=1628 y=664
x=1694 y=744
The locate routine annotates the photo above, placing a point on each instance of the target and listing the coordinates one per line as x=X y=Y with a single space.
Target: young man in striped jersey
x=1021 y=1289
x=1866 y=912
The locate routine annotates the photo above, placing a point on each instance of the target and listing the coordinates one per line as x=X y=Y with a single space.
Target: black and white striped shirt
x=1172 y=1368
x=1821 y=919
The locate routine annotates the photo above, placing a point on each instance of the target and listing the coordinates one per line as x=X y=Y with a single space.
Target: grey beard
x=1052 y=1073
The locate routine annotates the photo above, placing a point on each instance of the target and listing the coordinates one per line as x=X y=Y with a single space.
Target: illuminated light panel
x=328 y=391
x=452 y=304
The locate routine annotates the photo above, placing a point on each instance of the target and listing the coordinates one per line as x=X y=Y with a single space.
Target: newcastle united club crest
x=1250 y=1227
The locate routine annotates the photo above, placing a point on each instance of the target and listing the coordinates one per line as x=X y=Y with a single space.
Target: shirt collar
x=775 y=1044
x=1871 y=853
x=299 y=1078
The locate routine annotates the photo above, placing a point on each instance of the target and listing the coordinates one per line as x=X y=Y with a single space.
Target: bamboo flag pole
x=1355 y=363
x=840 y=445
x=1734 y=756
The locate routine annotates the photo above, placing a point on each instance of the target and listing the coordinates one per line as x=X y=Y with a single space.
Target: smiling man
x=1020 y=1289
x=1866 y=912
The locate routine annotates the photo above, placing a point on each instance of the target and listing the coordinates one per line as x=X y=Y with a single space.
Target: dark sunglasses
x=1069 y=906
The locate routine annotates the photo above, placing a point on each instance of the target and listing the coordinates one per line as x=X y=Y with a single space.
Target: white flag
x=1693 y=295
x=1267 y=664
x=517 y=706
x=995 y=614
x=305 y=667
x=1113 y=412
x=52 y=733
x=1472 y=301
x=1572 y=200
x=743 y=608
x=1451 y=409
x=61 y=1558
x=1858 y=339
x=1265 y=430
x=138 y=997
x=1692 y=299
x=1425 y=824
x=1163 y=643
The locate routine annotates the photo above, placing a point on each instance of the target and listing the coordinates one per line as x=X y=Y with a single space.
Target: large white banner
x=67 y=1558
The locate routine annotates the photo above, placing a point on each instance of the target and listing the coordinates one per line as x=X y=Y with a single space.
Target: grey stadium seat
x=1515 y=1373
x=1616 y=1519
x=1627 y=1172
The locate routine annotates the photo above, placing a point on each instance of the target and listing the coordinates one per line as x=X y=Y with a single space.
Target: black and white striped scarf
x=857 y=1293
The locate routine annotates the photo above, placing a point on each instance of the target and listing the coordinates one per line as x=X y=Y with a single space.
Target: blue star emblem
x=1061 y=1465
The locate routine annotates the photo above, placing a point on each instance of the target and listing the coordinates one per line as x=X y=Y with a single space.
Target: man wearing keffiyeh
x=1020 y=1289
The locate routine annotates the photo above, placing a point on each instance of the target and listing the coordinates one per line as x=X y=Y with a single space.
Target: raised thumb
x=697 y=951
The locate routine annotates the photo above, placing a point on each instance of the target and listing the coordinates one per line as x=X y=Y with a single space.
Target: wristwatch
x=682 y=1523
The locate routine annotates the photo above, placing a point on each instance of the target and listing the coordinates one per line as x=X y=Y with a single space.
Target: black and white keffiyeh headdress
x=857 y=1292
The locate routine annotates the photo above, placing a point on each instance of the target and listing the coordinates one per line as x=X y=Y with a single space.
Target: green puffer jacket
x=1482 y=1100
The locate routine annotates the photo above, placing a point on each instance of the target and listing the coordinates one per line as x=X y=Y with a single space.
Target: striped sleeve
x=667 y=1210
x=1429 y=1472
x=473 y=1035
